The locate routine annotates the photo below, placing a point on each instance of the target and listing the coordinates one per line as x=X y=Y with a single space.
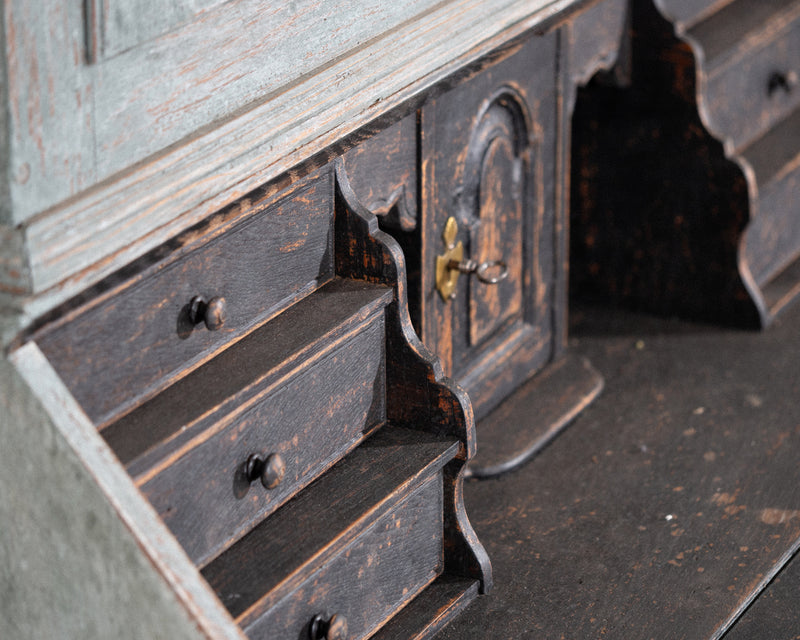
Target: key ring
x=481 y=270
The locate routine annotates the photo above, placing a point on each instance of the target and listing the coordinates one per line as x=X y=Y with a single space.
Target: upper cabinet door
x=488 y=152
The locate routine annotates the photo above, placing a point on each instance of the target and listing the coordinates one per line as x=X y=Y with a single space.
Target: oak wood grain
x=372 y=577
x=315 y=417
x=336 y=509
x=130 y=345
x=224 y=386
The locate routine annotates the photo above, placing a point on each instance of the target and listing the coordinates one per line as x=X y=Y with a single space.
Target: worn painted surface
x=370 y=579
x=382 y=171
x=81 y=553
x=488 y=159
x=419 y=396
x=112 y=350
x=316 y=415
x=311 y=384
x=161 y=154
x=774 y=614
x=746 y=56
x=532 y=415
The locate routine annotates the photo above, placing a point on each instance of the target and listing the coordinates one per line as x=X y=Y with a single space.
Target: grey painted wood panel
x=118 y=25
x=82 y=553
x=155 y=95
x=223 y=159
x=51 y=150
x=687 y=12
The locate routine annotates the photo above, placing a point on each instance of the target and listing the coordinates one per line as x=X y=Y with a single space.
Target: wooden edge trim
x=168 y=558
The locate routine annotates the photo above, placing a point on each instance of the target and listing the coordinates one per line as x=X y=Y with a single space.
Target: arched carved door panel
x=484 y=148
x=495 y=190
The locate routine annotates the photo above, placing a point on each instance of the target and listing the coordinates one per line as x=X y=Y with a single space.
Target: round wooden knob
x=333 y=629
x=215 y=314
x=211 y=313
x=269 y=470
x=786 y=81
x=337 y=628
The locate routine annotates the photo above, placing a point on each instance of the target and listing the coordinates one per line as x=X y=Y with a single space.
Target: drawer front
x=773 y=237
x=310 y=421
x=750 y=93
x=132 y=342
x=370 y=579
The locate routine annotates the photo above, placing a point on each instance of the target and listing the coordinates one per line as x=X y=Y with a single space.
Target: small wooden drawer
x=368 y=580
x=772 y=240
x=752 y=90
x=314 y=419
x=133 y=341
x=264 y=418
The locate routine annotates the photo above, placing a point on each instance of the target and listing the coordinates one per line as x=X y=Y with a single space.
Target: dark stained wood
x=166 y=425
x=312 y=419
x=534 y=414
x=382 y=171
x=369 y=579
x=709 y=138
x=775 y=613
x=666 y=506
x=430 y=611
x=773 y=237
x=132 y=344
x=595 y=37
x=330 y=514
x=783 y=289
x=593 y=41
x=728 y=227
x=731 y=28
x=776 y=151
x=657 y=211
x=739 y=101
x=488 y=149
x=418 y=394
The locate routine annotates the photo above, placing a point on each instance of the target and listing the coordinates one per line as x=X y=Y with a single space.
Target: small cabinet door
x=488 y=150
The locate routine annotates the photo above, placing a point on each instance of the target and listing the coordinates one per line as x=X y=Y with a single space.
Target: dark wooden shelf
x=533 y=415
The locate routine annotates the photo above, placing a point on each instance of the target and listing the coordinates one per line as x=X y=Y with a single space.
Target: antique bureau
x=219 y=236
